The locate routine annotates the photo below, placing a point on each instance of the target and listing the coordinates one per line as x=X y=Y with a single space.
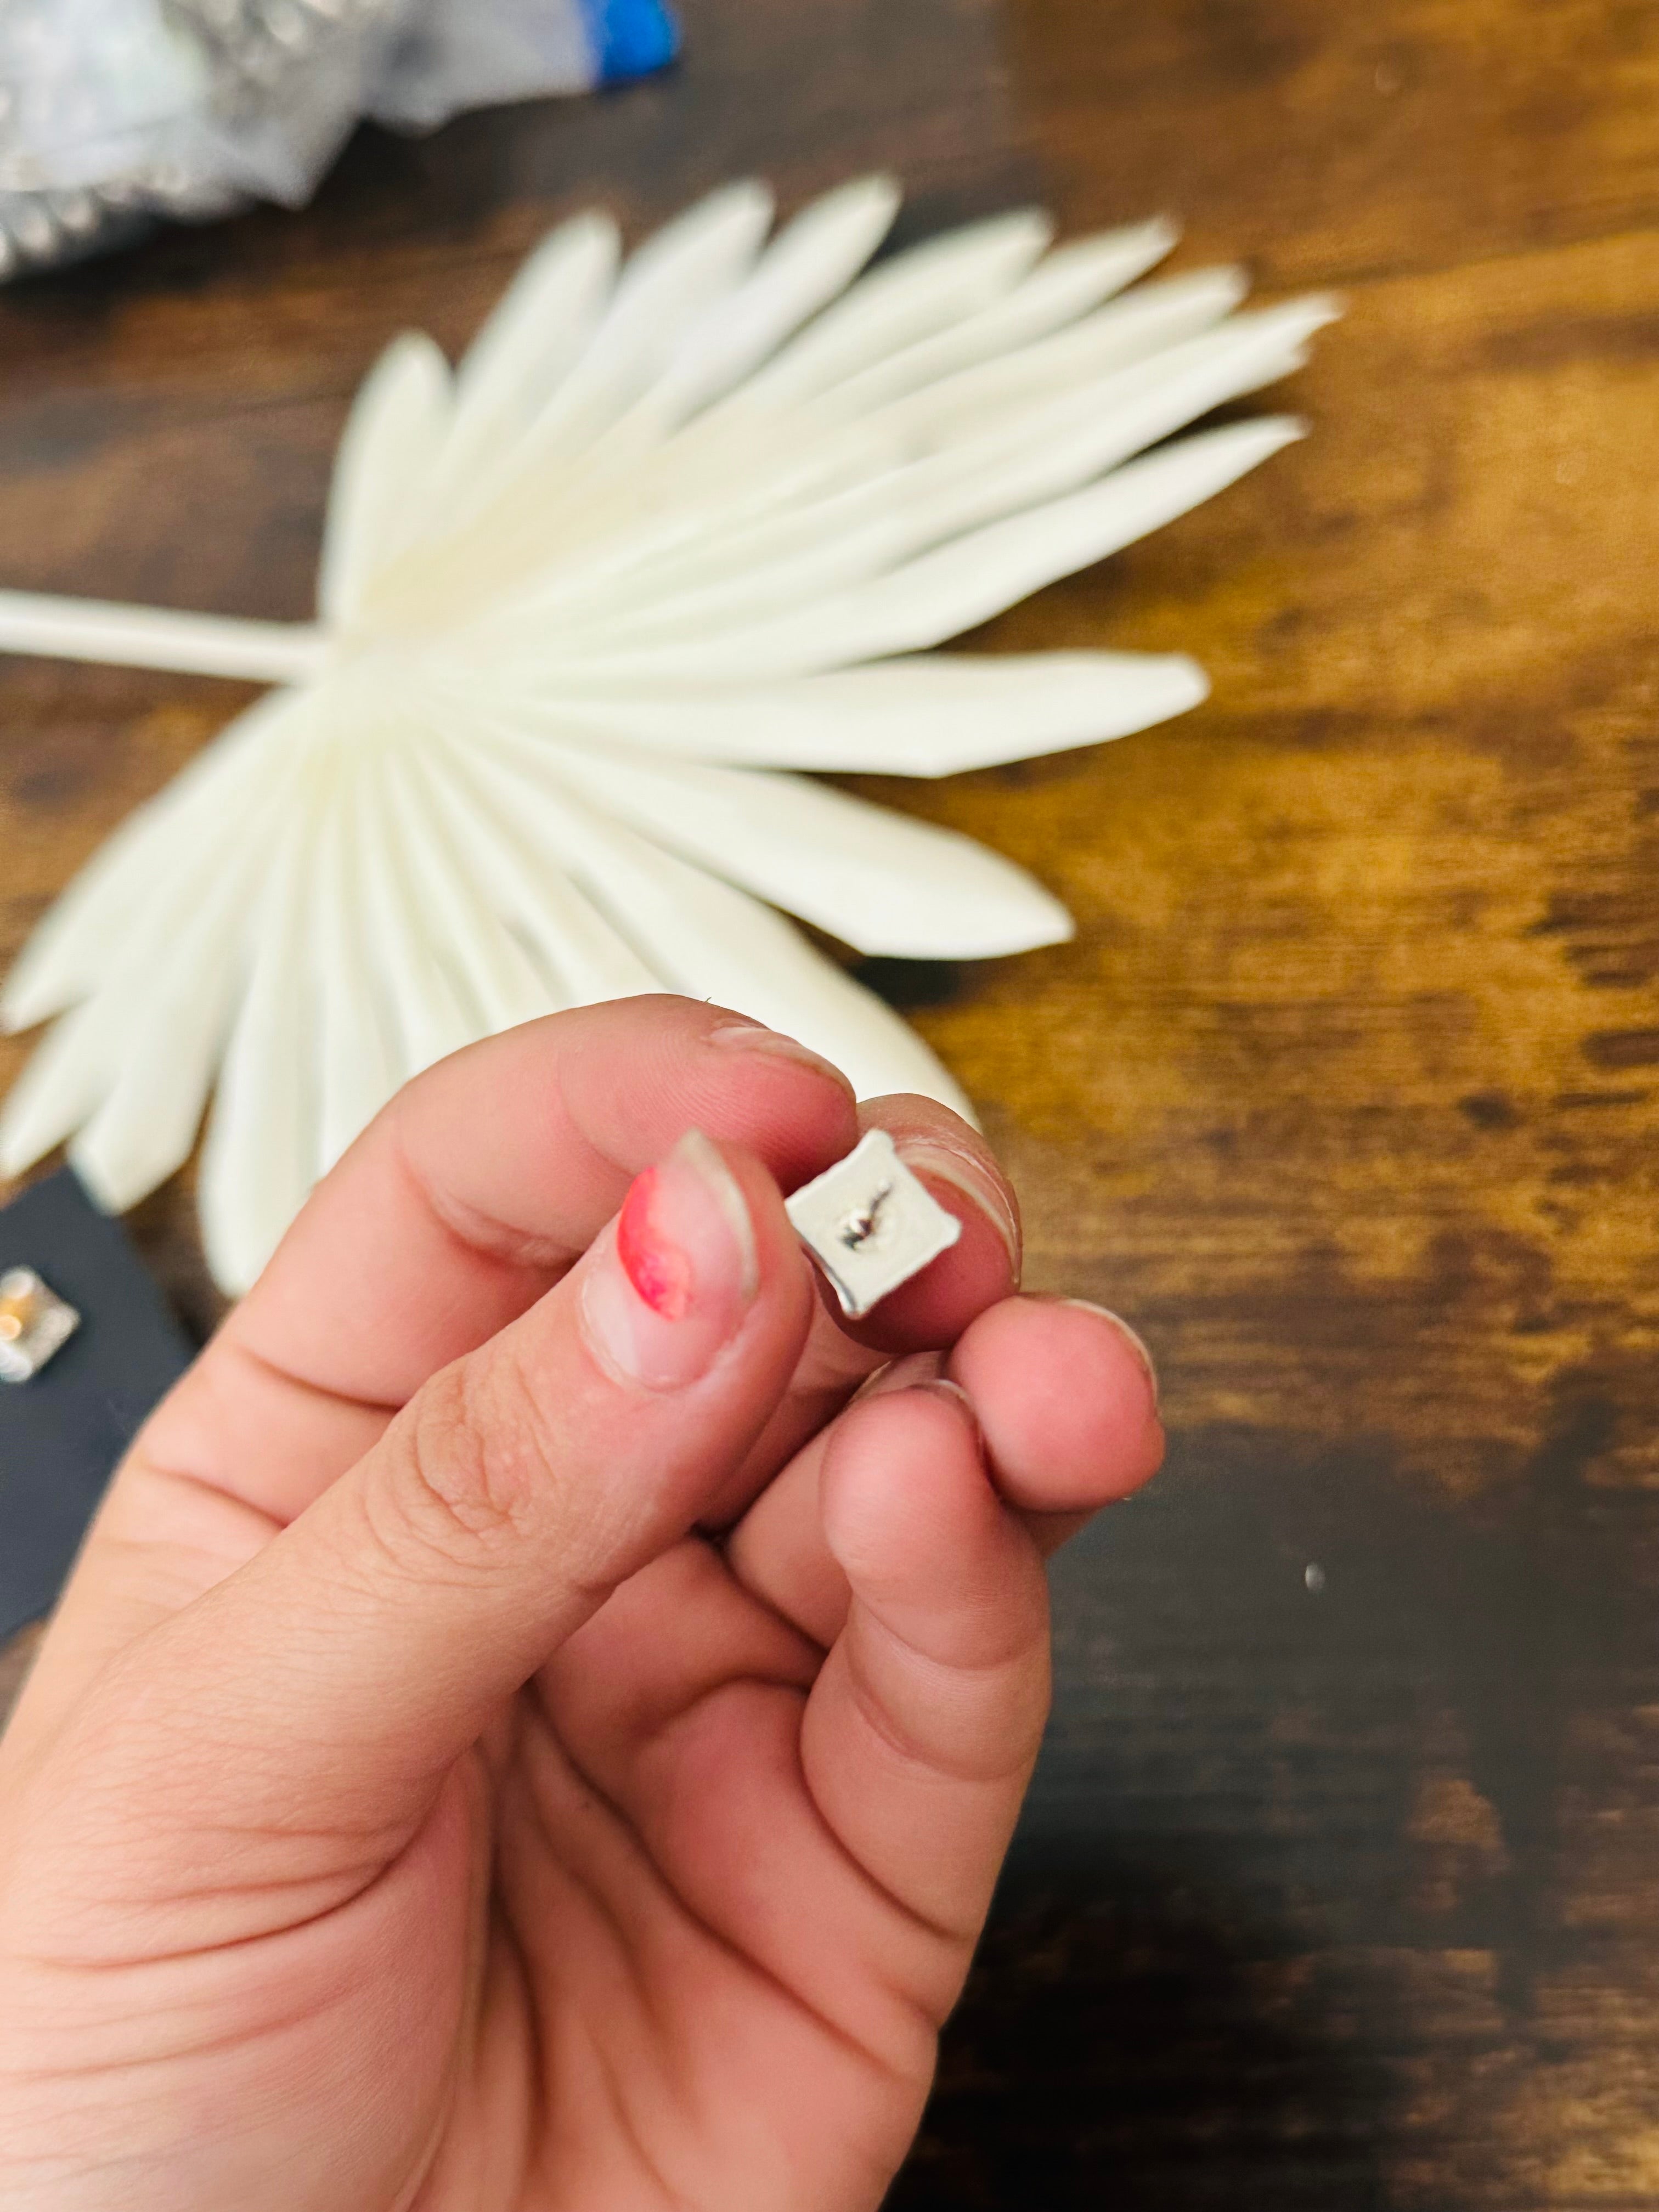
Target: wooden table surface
x=1340 y=1884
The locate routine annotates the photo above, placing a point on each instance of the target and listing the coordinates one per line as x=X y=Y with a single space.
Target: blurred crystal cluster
x=115 y=113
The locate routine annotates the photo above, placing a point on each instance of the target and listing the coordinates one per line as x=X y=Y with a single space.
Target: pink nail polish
x=668 y=1288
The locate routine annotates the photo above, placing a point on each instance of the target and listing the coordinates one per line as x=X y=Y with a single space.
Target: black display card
x=63 y=1431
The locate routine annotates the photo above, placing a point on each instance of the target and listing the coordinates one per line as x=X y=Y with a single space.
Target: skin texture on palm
x=462 y=1774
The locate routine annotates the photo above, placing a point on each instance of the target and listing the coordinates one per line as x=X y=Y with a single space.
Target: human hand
x=512 y=1742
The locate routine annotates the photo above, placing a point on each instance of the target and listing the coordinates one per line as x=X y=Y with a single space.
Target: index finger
x=460 y=1205
x=490 y=1174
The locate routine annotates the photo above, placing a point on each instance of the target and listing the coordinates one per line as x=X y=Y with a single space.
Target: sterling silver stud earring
x=35 y=1324
x=870 y=1225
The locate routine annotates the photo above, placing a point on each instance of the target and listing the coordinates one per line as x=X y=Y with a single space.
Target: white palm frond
x=680 y=528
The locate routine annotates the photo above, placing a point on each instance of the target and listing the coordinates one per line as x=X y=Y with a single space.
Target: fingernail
x=669 y=1288
x=926 y=1156
x=940 y=1386
x=750 y=1037
x=1137 y=1344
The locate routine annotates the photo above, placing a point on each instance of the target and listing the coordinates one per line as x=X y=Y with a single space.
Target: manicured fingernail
x=926 y=1156
x=1136 y=1343
x=669 y=1287
x=750 y=1036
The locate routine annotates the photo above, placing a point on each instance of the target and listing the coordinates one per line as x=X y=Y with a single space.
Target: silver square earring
x=35 y=1324
x=870 y=1224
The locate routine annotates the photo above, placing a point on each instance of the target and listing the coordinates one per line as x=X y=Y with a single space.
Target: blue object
x=631 y=37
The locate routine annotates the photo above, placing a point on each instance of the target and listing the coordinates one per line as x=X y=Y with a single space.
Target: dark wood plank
x=1344 y=1895
x=1332 y=144
x=1346 y=1083
x=1338 y=1886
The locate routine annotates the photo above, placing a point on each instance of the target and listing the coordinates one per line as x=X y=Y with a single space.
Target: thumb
x=332 y=1683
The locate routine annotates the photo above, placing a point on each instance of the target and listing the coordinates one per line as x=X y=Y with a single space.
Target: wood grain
x=1340 y=1882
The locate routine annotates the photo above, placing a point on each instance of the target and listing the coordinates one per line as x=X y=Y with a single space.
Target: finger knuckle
x=470 y=1479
